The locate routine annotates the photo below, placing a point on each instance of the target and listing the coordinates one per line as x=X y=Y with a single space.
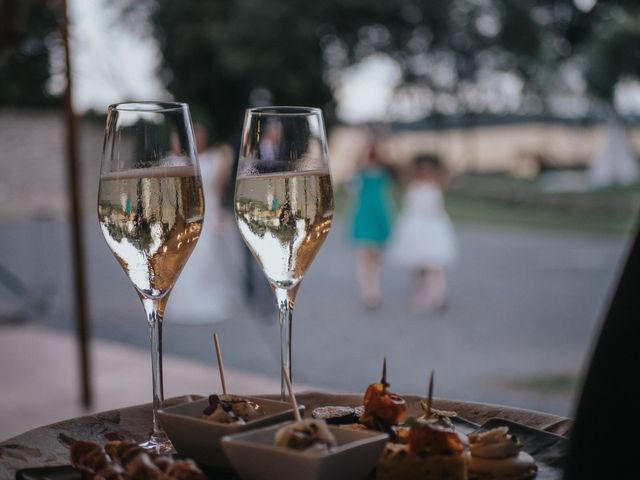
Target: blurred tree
x=223 y=56
x=614 y=54
x=217 y=55
x=26 y=43
x=10 y=12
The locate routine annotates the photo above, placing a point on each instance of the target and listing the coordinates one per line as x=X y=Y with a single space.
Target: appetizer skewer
x=430 y=395
x=220 y=366
x=431 y=451
x=227 y=408
x=303 y=434
x=126 y=460
x=382 y=408
x=292 y=397
x=440 y=417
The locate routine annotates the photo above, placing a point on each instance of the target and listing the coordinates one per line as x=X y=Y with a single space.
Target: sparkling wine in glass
x=150 y=209
x=284 y=201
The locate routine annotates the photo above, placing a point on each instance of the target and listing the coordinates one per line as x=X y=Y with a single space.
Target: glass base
x=158 y=443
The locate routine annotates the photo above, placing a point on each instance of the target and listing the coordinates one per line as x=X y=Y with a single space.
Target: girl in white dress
x=424 y=239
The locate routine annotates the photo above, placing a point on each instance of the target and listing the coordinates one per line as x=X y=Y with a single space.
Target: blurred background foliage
x=232 y=54
x=248 y=52
x=615 y=53
x=28 y=36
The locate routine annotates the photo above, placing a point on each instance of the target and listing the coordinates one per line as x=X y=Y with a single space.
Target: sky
x=111 y=63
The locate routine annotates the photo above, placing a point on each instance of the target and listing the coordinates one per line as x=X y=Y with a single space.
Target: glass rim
x=284 y=110
x=148 y=106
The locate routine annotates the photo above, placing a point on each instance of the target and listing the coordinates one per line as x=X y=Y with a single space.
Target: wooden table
x=49 y=445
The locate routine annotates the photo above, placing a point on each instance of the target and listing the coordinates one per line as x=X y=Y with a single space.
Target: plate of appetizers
x=547 y=449
x=123 y=460
x=195 y=428
x=308 y=449
x=381 y=436
x=435 y=444
x=305 y=448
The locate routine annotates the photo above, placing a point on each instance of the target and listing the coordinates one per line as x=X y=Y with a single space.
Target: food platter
x=547 y=448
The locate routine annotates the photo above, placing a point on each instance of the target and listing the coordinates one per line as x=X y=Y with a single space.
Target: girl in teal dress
x=371 y=223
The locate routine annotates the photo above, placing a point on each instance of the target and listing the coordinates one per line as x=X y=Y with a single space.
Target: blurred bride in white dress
x=204 y=292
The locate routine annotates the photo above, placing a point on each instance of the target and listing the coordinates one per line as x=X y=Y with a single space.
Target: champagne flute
x=150 y=208
x=284 y=201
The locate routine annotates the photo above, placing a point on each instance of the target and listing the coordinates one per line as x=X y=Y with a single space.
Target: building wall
x=517 y=148
x=33 y=169
x=33 y=175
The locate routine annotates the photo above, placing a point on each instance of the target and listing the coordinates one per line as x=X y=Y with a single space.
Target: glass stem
x=154 y=309
x=285 y=316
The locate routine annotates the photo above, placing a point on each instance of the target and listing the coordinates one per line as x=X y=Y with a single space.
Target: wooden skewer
x=220 y=366
x=430 y=396
x=383 y=380
x=292 y=397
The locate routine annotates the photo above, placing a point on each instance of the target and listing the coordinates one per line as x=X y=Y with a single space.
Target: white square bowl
x=255 y=457
x=199 y=439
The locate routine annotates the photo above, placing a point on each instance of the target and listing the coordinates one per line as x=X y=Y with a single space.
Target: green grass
x=553 y=384
x=490 y=212
x=503 y=201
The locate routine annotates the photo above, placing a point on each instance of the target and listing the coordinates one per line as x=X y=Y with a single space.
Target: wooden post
x=77 y=242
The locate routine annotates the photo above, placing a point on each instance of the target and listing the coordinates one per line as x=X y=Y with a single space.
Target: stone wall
x=33 y=178
x=516 y=148
x=33 y=175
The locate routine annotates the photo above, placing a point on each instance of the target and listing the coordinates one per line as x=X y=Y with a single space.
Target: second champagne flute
x=284 y=201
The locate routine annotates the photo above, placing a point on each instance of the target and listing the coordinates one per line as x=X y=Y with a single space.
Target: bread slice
x=398 y=463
